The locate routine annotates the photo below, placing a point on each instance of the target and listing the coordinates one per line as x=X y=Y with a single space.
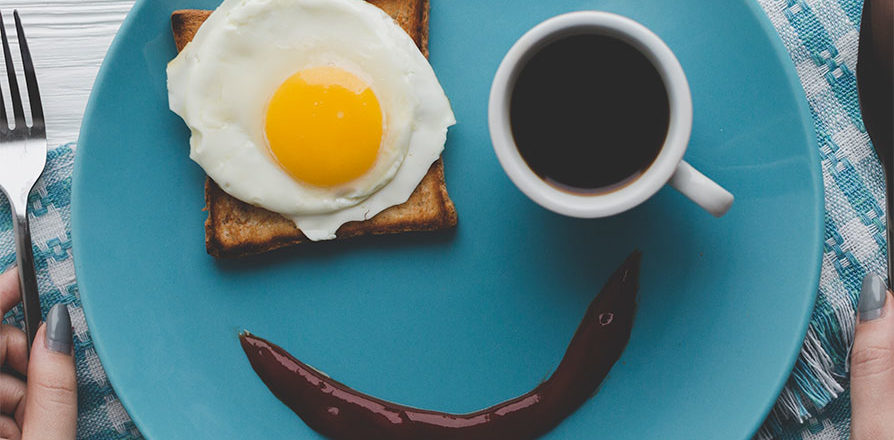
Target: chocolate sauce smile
x=342 y=413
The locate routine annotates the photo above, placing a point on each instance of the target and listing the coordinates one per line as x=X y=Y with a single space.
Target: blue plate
x=460 y=320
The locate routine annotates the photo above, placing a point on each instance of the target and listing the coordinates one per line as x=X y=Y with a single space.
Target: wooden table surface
x=68 y=40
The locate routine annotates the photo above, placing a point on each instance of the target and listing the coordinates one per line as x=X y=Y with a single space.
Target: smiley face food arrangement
x=322 y=119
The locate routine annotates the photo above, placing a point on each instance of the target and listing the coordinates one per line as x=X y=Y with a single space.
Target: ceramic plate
x=460 y=320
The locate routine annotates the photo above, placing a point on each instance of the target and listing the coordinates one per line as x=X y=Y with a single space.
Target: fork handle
x=27 y=274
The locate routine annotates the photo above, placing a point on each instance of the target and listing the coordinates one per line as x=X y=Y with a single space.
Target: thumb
x=872 y=364
x=51 y=404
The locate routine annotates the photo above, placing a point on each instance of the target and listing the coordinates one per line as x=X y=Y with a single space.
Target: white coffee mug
x=667 y=168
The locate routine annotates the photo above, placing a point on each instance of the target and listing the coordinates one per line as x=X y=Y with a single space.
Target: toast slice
x=235 y=228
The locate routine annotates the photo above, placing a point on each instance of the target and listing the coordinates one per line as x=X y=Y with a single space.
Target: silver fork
x=23 y=155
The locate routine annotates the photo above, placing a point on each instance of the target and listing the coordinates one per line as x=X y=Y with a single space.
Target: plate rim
x=809 y=129
x=779 y=49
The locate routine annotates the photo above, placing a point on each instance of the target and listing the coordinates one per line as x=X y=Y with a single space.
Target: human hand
x=872 y=364
x=46 y=406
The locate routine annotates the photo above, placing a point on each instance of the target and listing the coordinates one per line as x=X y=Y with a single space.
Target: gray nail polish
x=59 y=329
x=872 y=297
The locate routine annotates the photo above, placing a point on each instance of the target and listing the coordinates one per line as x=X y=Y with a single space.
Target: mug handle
x=701 y=190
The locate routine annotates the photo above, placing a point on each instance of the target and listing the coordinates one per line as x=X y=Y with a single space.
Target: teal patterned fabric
x=820 y=35
x=832 y=423
x=100 y=414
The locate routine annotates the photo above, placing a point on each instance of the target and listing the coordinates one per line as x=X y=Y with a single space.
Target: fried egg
x=324 y=111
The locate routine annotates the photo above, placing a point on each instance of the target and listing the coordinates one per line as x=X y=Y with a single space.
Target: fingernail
x=59 y=329
x=872 y=297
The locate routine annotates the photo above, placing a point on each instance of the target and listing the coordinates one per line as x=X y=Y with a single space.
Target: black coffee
x=589 y=113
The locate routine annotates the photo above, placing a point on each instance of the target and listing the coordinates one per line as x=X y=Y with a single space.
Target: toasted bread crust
x=235 y=228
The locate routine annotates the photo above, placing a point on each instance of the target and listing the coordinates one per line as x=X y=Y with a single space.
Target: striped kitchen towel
x=100 y=414
x=821 y=37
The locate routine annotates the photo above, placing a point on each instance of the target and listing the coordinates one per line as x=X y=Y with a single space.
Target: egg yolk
x=324 y=126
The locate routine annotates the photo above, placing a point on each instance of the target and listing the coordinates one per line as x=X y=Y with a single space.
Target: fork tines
x=30 y=82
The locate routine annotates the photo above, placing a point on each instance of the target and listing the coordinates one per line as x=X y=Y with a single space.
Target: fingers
x=12 y=397
x=8 y=429
x=13 y=348
x=14 y=353
x=51 y=406
x=872 y=364
x=9 y=290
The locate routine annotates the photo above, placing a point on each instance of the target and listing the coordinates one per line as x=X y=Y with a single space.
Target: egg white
x=222 y=81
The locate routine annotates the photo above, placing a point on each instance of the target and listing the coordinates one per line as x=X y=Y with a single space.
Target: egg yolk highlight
x=324 y=126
